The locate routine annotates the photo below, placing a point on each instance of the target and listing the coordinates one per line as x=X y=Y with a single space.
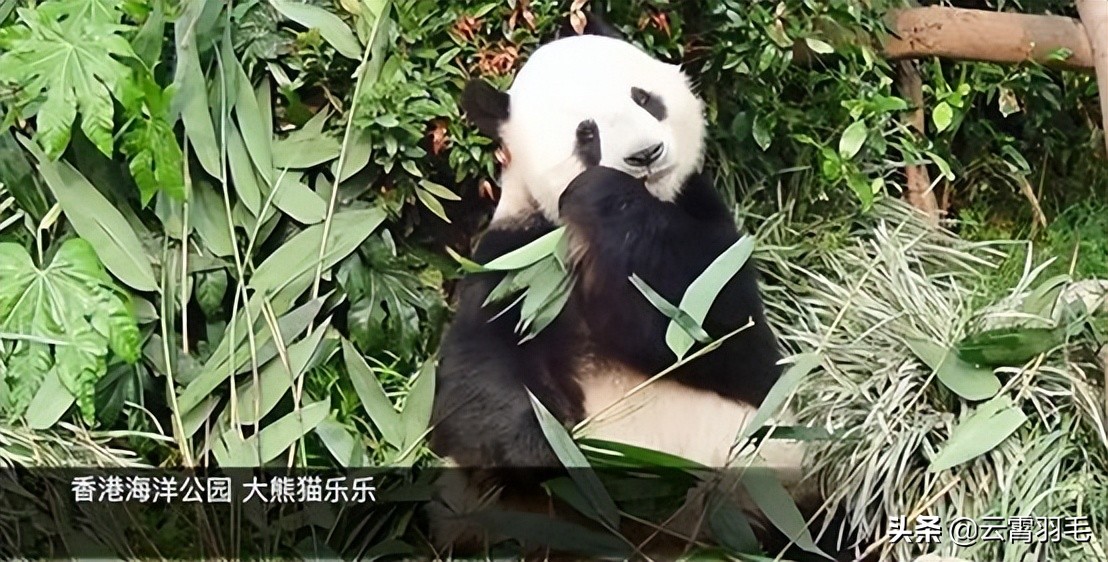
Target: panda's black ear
x=485 y=106
x=594 y=25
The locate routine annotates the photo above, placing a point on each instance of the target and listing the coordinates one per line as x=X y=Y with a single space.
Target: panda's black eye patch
x=650 y=102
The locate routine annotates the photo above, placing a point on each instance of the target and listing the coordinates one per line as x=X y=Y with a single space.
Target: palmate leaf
x=72 y=305
x=72 y=65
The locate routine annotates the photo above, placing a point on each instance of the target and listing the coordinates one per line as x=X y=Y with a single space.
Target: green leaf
x=98 y=221
x=192 y=99
x=761 y=132
x=50 y=402
x=275 y=378
x=852 y=140
x=702 y=292
x=682 y=318
x=1009 y=346
x=522 y=257
x=774 y=501
x=342 y=445
x=416 y=416
x=942 y=116
x=373 y=397
x=966 y=380
x=70 y=308
x=819 y=46
x=989 y=425
x=779 y=393
x=730 y=526
x=299 y=201
x=330 y=26
x=305 y=151
x=155 y=159
x=75 y=68
x=295 y=261
x=580 y=471
x=277 y=437
x=431 y=203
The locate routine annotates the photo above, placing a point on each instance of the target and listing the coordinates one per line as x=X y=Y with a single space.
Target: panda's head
x=584 y=101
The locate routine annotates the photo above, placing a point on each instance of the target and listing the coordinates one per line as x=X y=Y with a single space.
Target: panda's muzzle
x=646 y=156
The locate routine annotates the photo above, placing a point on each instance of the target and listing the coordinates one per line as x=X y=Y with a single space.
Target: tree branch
x=1094 y=16
x=1000 y=37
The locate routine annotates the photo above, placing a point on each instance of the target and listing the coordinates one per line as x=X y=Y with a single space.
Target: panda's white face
x=593 y=100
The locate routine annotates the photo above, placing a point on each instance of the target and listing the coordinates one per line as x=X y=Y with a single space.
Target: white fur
x=591 y=77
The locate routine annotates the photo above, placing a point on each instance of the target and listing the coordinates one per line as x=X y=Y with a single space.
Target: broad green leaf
x=980 y=432
x=1041 y=301
x=295 y=261
x=71 y=304
x=156 y=161
x=429 y=201
x=304 y=150
x=192 y=98
x=257 y=132
x=774 y=501
x=572 y=458
x=1009 y=346
x=852 y=140
x=416 y=416
x=779 y=393
x=333 y=29
x=818 y=46
x=966 y=380
x=76 y=68
x=529 y=254
x=276 y=378
x=224 y=364
x=373 y=397
x=702 y=292
x=99 y=222
x=209 y=218
x=762 y=134
x=730 y=526
x=942 y=116
x=343 y=446
x=358 y=151
x=298 y=200
x=613 y=453
x=670 y=311
x=50 y=402
x=243 y=175
x=277 y=437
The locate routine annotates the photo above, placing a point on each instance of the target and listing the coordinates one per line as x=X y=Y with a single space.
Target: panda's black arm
x=482 y=416
x=621 y=229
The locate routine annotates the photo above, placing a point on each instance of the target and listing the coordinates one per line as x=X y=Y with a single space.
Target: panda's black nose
x=646 y=156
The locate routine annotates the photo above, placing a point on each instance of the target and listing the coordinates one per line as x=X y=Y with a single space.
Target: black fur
x=483 y=417
x=485 y=106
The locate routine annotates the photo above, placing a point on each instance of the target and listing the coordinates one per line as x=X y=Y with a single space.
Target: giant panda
x=608 y=142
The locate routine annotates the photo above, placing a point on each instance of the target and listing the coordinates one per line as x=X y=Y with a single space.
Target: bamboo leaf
x=97 y=221
x=373 y=397
x=779 y=393
x=968 y=381
x=277 y=437
x=702 y=292
x=774 y=501
x=275 y=378
x=416 y=416
x=573 y=459
x=989 y=425
x=330 y=26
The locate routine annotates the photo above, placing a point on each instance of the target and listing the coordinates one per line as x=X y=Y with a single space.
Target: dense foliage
x=234 y=219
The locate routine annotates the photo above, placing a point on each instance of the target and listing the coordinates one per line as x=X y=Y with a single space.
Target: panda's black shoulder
x=700 y=198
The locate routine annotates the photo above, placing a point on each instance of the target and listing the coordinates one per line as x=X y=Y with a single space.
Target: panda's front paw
x=599 y=192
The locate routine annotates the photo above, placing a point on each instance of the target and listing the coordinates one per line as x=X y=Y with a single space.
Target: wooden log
x=980 y=35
